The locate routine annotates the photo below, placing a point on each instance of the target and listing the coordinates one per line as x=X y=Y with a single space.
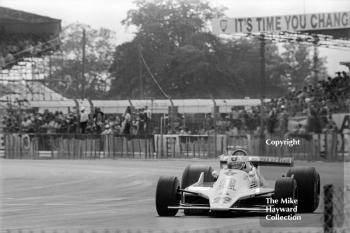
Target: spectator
x=272 y=121
x=84 y=117
x=148 y=113
x=324 y=113
x=26 y=123
x=283 y=121
x=98 y=119
x=116 y=129
x=313 y=122
x=147 y=120
x=115 y=125
x=107 y=130
x=53 y=125
x=142 y=122
x=211 y=131
x=126 y=125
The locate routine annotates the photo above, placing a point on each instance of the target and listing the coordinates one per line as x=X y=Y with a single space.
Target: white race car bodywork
x=231 y=186
x=239 y=187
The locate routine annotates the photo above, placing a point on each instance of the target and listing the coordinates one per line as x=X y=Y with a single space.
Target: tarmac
x=87 y=195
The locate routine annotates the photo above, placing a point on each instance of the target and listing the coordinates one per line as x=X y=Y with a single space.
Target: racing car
x=237 y=187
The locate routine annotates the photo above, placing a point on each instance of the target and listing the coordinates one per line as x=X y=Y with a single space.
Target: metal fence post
x=152 y=147
x=328 y=209
x=133 y=147
x=174 y=147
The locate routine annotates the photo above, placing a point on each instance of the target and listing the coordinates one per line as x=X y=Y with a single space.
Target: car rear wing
x=260 y=160
x=271 y=161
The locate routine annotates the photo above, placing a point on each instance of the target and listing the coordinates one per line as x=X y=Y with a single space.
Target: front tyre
x=167 y=195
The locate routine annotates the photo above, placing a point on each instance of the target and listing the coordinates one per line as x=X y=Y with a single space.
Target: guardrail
x=330 y=147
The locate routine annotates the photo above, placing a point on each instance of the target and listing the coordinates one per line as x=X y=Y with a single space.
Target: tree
x=299 y=63
x=66 y=68
x=175 y=44
x=173 y=47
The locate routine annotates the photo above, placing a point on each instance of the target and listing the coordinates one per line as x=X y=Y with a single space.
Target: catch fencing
x=329 y=147
x=336 y=214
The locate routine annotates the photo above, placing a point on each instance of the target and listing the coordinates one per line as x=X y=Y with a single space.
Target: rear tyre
x=285 y=187
x=190 y=176
x=308 y=181
x=167 y=195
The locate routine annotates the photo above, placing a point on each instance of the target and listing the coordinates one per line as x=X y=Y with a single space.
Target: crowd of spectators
x=132 y=122
x=15 y=46
x=315 y=104
x=333 y=93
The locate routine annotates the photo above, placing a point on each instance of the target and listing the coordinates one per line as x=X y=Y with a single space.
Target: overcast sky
x=109 y=13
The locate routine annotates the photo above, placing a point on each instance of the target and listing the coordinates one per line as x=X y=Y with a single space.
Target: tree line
x=174 y=49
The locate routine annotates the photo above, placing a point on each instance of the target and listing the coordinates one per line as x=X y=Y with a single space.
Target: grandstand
x=27 y=90
x=25 y=43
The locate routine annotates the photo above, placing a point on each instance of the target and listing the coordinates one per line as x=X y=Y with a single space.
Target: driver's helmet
x=234 y=163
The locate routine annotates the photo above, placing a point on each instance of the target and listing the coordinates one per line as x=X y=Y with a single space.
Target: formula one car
x=238 y=186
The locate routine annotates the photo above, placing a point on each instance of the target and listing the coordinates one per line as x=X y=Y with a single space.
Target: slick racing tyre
x=167 y=195
x=190 y=176
x=286 y=187
x=308 y=182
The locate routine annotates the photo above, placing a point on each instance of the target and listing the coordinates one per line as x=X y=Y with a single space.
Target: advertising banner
x=290 y=23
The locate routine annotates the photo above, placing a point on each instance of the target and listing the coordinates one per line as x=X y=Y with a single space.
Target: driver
x=236 y=163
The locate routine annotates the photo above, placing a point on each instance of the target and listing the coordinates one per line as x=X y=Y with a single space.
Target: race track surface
x=114 y=194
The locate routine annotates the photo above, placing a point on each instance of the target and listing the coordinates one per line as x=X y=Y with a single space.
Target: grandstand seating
x=25 y=41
